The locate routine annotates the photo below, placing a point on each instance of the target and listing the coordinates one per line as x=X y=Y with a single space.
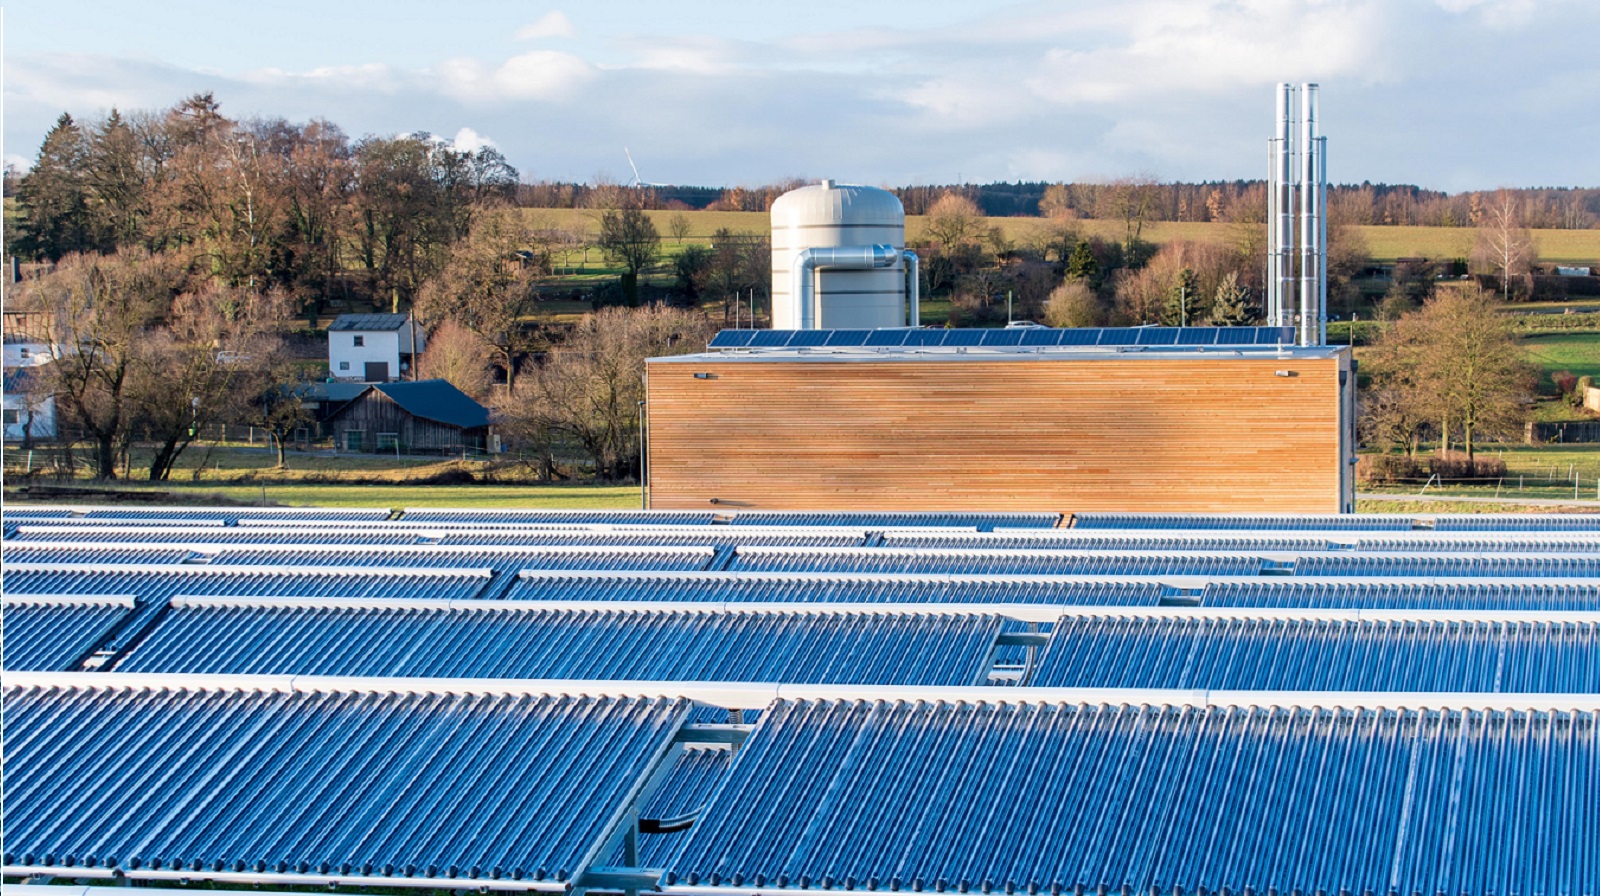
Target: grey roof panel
x=367 y=322
x=436 y=400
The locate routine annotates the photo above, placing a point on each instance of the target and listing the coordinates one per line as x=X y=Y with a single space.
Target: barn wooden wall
x=375 y=413
x=1206 y=434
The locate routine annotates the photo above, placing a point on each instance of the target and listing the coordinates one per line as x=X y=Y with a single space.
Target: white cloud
x=535 y=75
x=468 y=140
x=552 y=24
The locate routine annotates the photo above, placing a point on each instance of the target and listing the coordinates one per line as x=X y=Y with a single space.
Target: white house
x=373 y=348
x=30 y=411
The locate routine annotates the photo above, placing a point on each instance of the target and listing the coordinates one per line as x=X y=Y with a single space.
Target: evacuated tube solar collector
x=839 y=259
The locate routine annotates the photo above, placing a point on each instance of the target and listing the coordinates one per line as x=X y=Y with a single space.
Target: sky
x=1447 y=94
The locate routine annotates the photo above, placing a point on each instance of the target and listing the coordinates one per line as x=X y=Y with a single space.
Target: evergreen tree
x=1081 y=264
x=52 y=199
x=1230 y=306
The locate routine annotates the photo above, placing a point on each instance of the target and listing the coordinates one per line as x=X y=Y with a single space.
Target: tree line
x=1555 y=208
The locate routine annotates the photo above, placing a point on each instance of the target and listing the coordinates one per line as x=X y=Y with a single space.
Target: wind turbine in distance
x=636 y=181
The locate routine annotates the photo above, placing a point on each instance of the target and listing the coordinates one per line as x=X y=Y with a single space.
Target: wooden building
x=427 y=415
x=1070 y=429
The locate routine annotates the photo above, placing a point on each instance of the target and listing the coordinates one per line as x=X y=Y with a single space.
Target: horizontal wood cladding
x=1161 y=435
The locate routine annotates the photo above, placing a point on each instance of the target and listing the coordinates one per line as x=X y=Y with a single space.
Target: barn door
x=377 y=371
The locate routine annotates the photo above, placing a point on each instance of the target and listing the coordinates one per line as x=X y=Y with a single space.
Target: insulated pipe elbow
x=808 y=261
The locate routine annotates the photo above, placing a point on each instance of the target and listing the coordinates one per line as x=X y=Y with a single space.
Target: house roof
x=329 y=392
x=438 y=401
x=368 y=322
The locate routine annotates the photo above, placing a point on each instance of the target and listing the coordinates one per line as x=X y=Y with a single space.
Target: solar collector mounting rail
x=1008 y=338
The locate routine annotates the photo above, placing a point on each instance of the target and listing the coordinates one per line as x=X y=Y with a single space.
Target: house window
x=360 y=341
x=352 y=439
x=344 y=365
x=13 y=417
x=388 y=441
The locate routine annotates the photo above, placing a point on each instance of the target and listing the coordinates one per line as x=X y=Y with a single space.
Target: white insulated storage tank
x=839 y=259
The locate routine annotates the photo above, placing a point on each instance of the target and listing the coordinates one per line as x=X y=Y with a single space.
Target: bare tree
x=679 y=226
x=629 y=237
x=1504 y=244
x=455 y=354
x=954 y=220
x=486 y=287
x=589 y=388
x=1131 y=199
x=97 y=311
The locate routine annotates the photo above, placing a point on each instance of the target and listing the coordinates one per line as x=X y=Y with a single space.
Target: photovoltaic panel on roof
x=1274 y=336
x=1158 y=336
x=770 y=338
x=1237 y=335
x=1041 y=336
x=924 y=338
x=1084 y=336
x=888 y=338
x=354 y=786
x=686 y=558
x=808 y=338
x=990 y=797
x=732 y=339
x=848 y=338
x=963 y=338
x=1119 y=336
x=527 y=642
x=1235 y=654
x=1012 y=336
x=1197 y=336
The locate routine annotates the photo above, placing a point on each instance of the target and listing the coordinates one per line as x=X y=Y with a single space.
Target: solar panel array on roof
x=554 y=557
x=313 y=781
x=867 y=589
x=358 y=787
x=868 y=519
x=611 y=517
x=526 y=642
x=158 y=585
x=211 y=535
x=908 y=560
x=1232 y=653
x=1401 y=595
x=91 y=554
x=1372 y=523
x=1016 y=336
x=57 y=635
x=1065 y=540
x=1558 y=522
x=1483 y=567
x=992 y=798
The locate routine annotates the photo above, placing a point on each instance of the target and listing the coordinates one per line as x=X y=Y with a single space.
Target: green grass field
x=1577 y=352
x=1385 y=244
